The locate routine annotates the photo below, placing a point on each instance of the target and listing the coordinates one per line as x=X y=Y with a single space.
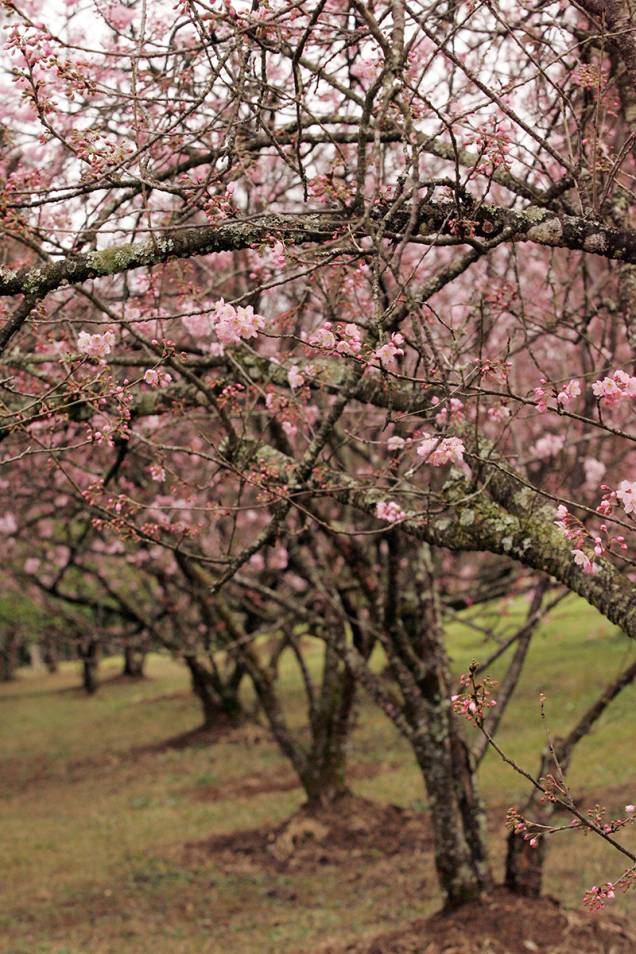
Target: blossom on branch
x=95 y=346
x=439 y=451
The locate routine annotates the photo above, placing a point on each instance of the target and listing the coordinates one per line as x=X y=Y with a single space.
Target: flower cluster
x=341 y=338
x=626 y=493
x=454 y=409
x=519 y=825
x=95 y=346
x=594 y=471
x=441 y=450
x=474 y=699
x=597 y=897
x=295 y=377
x=390 y=511
x=615 y=389
x=218 y=207
x=235 y=324
x=390 y=350
x=8 y=524
x=567 y=394
x=585 y=562
x=548 y=446
x=157 y=472
x=157 y=378
x=493 y=142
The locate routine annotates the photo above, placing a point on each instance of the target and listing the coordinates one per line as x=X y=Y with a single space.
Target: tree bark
x=416 y=651
x=219 y=699
x=49 y=655
x=89 y=654
x=325 y=778
x=9 y=656
x=134 y=660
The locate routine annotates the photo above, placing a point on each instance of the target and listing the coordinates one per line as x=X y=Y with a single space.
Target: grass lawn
x=96 y=812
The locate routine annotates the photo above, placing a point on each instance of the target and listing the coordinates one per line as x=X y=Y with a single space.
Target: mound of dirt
x=505 y=924
x=351 y=827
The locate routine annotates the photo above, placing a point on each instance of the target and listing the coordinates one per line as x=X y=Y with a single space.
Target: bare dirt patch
x=352 y=829
x=504 y=924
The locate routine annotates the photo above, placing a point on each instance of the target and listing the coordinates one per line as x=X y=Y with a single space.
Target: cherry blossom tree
x=275 y=268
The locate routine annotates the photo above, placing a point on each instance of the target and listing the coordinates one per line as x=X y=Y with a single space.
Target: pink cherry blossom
x=97 y=345
x=390 y=511
x=295 y=377
x=539 y=397
x=582 y=559
x=548 y=446
x=157 y=378
x=8 y=524
x=390 y=350
x=439 y=451
x=278 y=558
x=198 y=325
x=323 y=338
x=350 y=342
x=626 y=493
x=235 y=324
x=499 y=413
x=454 y=409
x=571 y=391
x=615 y=389
x=157 y=472
x=594 y=471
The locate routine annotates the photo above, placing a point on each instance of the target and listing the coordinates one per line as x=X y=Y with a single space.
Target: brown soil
x=334 y=835
x=504 y=924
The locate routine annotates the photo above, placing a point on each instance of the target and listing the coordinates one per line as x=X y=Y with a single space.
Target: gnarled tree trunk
x=219 y=698
x=324 y=778
x=416 y=652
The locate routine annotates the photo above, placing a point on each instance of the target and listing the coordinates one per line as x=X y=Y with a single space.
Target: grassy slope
x=92 y=829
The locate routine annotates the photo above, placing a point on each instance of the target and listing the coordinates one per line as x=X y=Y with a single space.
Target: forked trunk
x=325 y=778
x=220 y=700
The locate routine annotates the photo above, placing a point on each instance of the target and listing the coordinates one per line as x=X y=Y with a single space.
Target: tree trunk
x=49 y=655
x=457 y=816
x=9 y=657
x=134 y=660
x=417 y=654
x=324 y=779
x=89 y=654
x=219 y=698
x=524 y=865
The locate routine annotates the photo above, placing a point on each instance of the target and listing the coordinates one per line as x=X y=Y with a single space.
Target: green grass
x=94 y=820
